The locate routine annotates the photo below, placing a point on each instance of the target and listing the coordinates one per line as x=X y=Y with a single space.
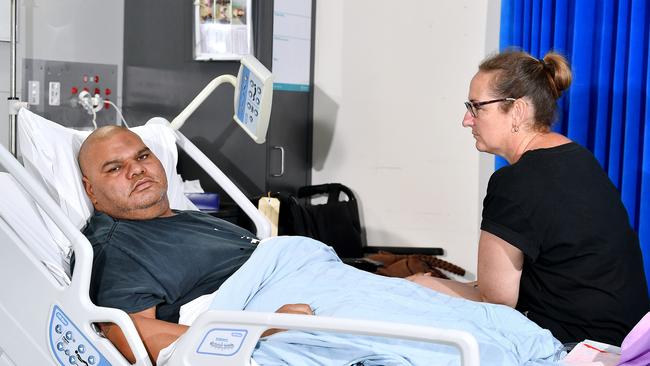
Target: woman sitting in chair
x=555 y=239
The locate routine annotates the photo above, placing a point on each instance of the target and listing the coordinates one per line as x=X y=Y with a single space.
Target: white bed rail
x=198 y=348
x=200 y=98
x=74 y=299
x=262 y=225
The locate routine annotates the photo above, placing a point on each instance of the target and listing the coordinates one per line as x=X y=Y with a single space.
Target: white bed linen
x=21 y=213
x=188 y=313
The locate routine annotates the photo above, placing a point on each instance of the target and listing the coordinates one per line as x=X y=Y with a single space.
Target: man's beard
x=144 y=205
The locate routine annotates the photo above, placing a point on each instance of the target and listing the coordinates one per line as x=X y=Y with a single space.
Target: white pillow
x=49 y=151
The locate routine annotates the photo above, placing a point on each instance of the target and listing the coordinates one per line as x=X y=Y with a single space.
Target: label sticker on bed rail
x=222 y=342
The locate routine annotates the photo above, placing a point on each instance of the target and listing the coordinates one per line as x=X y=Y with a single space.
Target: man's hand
x=301 y=309
x=295 y=309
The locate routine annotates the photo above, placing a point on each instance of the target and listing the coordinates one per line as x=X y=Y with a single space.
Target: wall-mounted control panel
x=52 y=89
x=69 y=345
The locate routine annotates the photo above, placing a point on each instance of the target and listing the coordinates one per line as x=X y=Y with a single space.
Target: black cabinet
x=289 y=143
x=161 y=78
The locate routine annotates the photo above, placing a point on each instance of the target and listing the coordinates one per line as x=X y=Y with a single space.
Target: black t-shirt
x=165 y=261
x=582 y=276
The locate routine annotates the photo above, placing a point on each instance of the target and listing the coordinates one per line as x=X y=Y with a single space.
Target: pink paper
x=635 y=350
x=589 y=353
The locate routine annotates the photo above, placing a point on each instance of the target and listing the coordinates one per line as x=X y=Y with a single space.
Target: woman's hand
x=421 y=279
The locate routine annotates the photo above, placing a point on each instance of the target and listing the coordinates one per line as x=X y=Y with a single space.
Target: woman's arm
x=499 y=272
x=453 y=288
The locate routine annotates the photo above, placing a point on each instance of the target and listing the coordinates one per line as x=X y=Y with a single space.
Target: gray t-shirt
x=164 y=262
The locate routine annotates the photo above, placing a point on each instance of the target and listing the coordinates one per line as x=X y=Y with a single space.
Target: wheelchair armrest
x=364 y=264
x=405 y=250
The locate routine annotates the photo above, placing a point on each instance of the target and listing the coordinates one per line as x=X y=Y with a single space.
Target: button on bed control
x=69 y=344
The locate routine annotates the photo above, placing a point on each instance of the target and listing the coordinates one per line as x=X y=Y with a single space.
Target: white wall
x=390 y=82
x=63 y=30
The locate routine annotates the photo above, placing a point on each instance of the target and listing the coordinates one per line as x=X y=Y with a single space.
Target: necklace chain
x=527 y=144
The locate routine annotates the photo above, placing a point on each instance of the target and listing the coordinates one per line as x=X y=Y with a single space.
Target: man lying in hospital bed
x=149 y=272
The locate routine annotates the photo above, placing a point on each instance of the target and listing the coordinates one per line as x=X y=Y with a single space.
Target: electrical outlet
x=33 y=92
x=55 y=93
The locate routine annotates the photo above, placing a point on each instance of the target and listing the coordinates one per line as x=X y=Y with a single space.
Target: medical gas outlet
x=55 y=93
x=53 y=90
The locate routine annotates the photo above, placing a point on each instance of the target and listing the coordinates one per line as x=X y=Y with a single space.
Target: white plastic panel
x=5 y=360
x=69 y=345
x=253 y=97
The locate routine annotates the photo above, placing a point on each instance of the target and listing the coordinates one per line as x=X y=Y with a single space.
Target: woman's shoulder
x=533 y=167
x=506 y=180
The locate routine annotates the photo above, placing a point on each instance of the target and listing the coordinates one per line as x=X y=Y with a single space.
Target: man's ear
x=88 y=187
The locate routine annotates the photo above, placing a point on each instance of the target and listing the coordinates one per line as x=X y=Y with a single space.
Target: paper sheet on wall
x=222 y=29
x=292 y=44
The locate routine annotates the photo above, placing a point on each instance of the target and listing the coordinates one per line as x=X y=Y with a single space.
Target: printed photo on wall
x=222 y=29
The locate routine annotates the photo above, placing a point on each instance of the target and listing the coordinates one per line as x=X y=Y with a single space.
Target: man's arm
x=499 y=272
x=155 y=334
x=158 y=334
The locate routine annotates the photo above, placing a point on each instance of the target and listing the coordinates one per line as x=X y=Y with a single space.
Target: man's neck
x=148 y=213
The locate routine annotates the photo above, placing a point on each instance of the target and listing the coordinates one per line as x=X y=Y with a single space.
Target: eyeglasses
x=473 y=107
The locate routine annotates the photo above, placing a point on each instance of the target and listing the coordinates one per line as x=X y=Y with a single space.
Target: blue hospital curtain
x=608 y=103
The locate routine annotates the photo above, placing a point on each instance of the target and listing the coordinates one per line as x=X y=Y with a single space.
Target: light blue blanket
x=288 y=270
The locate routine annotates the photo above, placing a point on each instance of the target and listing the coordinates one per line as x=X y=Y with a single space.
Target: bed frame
x=40 y=319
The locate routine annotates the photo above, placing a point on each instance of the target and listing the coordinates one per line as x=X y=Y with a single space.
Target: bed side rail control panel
x=69 y=345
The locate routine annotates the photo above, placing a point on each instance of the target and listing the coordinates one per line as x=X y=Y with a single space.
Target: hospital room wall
x=389 y=85
x=89 y=31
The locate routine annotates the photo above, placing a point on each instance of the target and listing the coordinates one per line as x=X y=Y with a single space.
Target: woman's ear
x=519 y=111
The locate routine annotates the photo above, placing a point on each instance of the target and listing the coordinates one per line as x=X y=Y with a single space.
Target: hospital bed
x=46 y=315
